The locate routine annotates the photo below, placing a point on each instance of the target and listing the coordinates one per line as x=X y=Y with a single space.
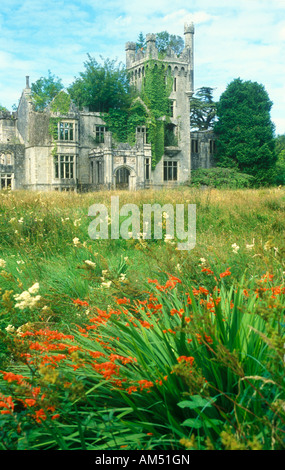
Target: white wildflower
x=76 y=241
x=275 y=250
x=235 y=248
x=2 y=263
x=26 y=298
x=250 y=246
x=10 y=329
x=34 y=289
x=77 y=223
x=106 y=284
x=90 y=263
x=202 y=261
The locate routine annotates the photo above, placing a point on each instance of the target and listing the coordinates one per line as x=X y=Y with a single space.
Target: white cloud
x=233 y=38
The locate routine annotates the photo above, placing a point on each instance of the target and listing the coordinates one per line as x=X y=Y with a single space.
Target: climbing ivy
x=151 y=111
x=156 y=88
x=60 y=104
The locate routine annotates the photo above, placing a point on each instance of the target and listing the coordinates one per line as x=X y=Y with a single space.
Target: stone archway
x=124 y=178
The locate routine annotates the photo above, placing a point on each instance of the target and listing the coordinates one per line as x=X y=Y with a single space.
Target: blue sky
x=233 y=38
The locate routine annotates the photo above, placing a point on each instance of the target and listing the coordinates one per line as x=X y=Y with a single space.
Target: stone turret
x=189 y=51
x=130 y=53
x=151 y=50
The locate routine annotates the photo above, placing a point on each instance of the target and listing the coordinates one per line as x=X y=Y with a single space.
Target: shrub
x=221 y=178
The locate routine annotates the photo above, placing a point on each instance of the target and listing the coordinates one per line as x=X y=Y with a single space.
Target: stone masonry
x=84 y=156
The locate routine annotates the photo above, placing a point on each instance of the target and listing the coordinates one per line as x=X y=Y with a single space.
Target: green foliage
x=155 y=93
x=164 y=40
x=60 y=104
x=101 y=87
x=4 y=111
x=245 y=131
x=280 y=163
x=44 y=90
x=141 y=42
x=122 y=123
x=221 y=178
x=203 y=109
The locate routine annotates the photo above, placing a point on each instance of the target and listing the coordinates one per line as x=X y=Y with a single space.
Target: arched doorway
x=122 y=178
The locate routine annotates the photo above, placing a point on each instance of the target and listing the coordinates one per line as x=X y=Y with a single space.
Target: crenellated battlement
x=136 y=56
x=181 y=65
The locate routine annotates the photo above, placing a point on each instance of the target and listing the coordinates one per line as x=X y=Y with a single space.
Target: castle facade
x=82 y=155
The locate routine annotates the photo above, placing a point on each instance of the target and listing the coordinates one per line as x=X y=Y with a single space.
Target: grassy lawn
x=134 y=344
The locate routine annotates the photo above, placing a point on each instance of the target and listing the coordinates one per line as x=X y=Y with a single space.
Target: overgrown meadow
x=133 y=344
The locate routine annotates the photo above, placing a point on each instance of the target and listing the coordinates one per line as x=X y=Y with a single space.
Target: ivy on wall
x=152 y=112
x=59 y=105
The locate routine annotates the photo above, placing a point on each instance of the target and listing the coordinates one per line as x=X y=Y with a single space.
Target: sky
x=233 y=39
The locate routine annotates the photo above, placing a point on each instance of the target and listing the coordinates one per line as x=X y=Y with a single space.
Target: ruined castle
x=82 y=154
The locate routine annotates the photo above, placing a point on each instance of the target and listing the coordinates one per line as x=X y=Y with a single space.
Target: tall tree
x=203 y=109
x=280 y=163
x=165 y=40
x=44 y=90
x=245 y=131
x=141 y=43
x=4 y=111
x=101 y=86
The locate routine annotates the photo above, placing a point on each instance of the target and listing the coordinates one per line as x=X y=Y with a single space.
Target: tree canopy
x=44 y=90
x=163 y=41
x=101 y=87
x=280 y=164
x=203 y=109
x=244 y=130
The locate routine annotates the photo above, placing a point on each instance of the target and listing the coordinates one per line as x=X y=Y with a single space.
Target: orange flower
x=145 y=384
x=6 y=402
x=80 y=302
x=132 y=389
x=226 y=273
x=40 y=415
x=122 y=301
x=207 y=270
x=30 y=401
x=188 y=359
x=10 y=377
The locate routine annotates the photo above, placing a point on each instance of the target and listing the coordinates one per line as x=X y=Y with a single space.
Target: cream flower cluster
x=28 y=299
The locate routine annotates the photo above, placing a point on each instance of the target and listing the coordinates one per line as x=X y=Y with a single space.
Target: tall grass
x=144 y=346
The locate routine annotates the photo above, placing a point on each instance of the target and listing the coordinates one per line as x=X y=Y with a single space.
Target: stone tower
x=175 y=165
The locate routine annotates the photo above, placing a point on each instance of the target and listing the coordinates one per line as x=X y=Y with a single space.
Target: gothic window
x=67 y=131
x=147 y=169
x=175 y=84
x=144 y=131
x=194 y=145
x=170 y=170
x=64 y=166
x=99 y=134
x=6 y=180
